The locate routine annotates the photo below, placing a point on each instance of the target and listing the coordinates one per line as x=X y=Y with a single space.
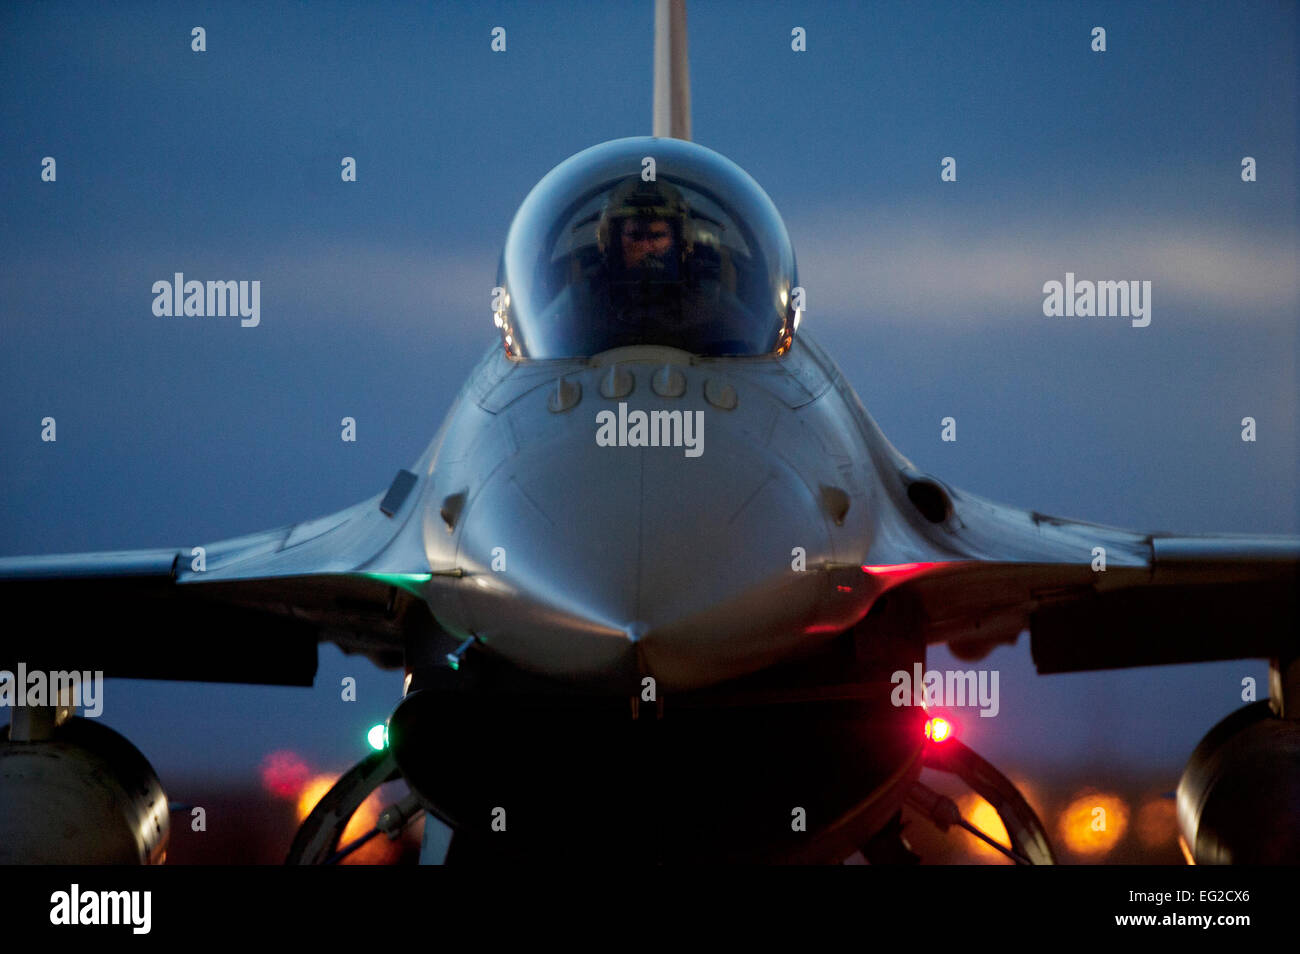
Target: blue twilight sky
x=225 y=164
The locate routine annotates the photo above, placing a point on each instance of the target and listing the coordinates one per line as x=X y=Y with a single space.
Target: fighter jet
x=651 y=580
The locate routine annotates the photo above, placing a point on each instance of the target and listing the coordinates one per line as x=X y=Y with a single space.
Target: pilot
x=642 y=234
x=650 y=281
x=647 y=240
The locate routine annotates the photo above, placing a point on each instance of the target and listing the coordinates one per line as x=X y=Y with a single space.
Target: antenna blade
x=672 y=115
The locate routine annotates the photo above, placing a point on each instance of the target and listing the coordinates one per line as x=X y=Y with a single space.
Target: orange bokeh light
x=313 y=790
x=378 y=850
x=1093 y=823
x=977 y=810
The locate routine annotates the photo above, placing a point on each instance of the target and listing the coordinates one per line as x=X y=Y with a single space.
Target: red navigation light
x=938 y=729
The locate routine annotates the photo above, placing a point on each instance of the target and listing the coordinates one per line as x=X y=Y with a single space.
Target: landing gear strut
x=1029 y=843
x=317 y=841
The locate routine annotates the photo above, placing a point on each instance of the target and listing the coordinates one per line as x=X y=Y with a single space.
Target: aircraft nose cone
x=551 y=545
x=594 y=561
x=718 y=589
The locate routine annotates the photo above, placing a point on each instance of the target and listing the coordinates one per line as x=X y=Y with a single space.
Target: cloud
x=892 y=266
x=401 y=288
x=408 y=288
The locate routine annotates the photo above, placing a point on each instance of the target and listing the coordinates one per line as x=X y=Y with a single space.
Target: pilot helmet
x=637 y=200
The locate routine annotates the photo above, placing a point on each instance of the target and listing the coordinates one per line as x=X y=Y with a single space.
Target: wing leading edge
x=1097 y=597
x=250 y=609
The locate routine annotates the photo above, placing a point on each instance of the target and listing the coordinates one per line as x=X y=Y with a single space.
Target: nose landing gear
x=1029 y=842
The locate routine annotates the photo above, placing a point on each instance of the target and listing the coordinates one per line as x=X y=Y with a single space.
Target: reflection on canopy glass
x=601 y=256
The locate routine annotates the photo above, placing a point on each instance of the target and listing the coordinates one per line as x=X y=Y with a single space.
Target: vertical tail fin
x=672 y=112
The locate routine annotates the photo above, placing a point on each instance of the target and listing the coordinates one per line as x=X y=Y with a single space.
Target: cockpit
x=646 y=241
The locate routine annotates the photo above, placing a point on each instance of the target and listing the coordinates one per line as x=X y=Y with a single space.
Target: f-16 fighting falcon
x=650 y=579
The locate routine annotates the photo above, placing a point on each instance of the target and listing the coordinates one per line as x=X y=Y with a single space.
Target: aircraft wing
x=1091 y=596
x=250 y=609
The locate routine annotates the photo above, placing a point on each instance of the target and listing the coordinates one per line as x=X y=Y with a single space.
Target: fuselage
x=598 y=557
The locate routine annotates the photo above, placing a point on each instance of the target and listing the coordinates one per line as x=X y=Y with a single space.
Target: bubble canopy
x=611 y=250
